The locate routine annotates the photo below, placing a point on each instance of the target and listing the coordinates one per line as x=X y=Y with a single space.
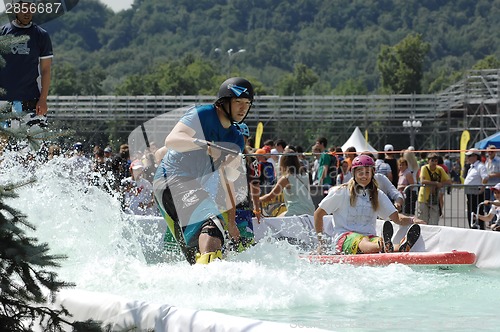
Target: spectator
x=268 y=145
x=406 y=179
x=393 y=162
x=54 y=151
x=477 y=177
x=27 y=72
x=265 y=168
x=79 y=165
x=350 y=154
x=492 y=165
x=316 y=150
x=324 y=162
x=494 y=211
x=344 y=174
x=108 y=151
x=138 y=192
x=411 y=159
x=295 y=188
x=249 y=206
x=303 y=161
x=120 y=167
x=432 y=178
x=455 y=173
x=381 y=167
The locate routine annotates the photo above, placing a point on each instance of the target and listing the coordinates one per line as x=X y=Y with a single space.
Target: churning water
x=267 y=282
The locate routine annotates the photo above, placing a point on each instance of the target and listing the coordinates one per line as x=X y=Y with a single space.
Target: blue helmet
x=243 y=128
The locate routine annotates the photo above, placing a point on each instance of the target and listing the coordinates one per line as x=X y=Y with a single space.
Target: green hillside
x=169 y=46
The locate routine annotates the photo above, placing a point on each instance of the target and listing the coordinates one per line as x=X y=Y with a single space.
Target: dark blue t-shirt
x=20 y=76
x=197 y=164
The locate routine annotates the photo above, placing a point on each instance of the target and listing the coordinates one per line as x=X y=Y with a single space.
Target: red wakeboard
x=407 y=258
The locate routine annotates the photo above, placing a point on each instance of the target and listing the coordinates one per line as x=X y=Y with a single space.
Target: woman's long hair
x=371 y=189
x=411 y=160
x=290 y=164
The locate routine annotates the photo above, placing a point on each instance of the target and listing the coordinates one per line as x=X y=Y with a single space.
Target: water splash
x=106 y=253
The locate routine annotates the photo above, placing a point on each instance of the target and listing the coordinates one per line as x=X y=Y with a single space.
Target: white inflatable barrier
x=124 y=314
x=485 y=244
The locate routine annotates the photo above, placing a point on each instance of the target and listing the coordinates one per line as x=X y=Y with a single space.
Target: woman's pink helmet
x=362 y=161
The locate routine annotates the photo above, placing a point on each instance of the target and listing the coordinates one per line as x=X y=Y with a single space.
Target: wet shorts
x=348 y=243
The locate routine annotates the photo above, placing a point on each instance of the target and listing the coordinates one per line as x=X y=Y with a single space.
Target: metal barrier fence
x=454 y=201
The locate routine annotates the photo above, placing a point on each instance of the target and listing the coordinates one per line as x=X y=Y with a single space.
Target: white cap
x=496 y=187
x=388 y=147
x=274 y=151
x=473 y=151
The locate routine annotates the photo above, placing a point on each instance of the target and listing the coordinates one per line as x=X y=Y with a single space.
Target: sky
x=117 y=5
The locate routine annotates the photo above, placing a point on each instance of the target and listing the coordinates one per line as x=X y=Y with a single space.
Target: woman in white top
x=294 y=183
x=355 y=207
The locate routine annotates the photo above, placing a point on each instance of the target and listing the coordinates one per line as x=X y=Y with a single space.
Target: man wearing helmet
x=26 y=75
x=355 y=207
x=193 y=179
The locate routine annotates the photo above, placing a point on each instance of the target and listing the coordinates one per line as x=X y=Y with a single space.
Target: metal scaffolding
x=471 y=104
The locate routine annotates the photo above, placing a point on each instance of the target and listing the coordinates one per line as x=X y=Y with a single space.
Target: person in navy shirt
x=193 y=179
x=26 y=74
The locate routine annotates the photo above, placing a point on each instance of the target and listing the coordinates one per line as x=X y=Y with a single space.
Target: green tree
x=69 y=81
x=298 y=82
x=351 y=87
x=489 y=62
x=401 y=66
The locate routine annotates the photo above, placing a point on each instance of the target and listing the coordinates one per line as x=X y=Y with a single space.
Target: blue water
x=267 y=282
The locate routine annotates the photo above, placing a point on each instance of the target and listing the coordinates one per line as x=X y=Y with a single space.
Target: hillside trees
x=187 y=76
x=401 y=66
x=337 y=40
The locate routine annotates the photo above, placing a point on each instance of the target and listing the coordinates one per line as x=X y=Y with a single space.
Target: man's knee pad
x=213 y=227
x=208 y=257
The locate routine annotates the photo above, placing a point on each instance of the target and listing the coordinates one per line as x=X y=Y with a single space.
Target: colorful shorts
x=348 y=243
x=186 y=207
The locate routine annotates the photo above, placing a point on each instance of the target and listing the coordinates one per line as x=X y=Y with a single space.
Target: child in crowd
x=266 y=169
x=495 y=209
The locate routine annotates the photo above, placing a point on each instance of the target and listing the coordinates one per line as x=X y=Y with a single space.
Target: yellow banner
x=464 y=140
x=258 y=134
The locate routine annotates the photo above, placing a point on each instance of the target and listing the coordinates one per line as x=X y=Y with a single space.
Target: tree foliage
x=401 y=66
x=337 y=40
x=27 y=274
x=298 y=83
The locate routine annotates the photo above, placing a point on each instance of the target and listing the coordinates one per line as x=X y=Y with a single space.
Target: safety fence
x=452 y=202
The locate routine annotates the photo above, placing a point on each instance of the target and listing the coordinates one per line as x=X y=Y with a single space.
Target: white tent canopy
x=358 y=141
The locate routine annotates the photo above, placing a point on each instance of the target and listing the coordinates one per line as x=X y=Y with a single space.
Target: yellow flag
x=258 y=134
x=464 y=140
